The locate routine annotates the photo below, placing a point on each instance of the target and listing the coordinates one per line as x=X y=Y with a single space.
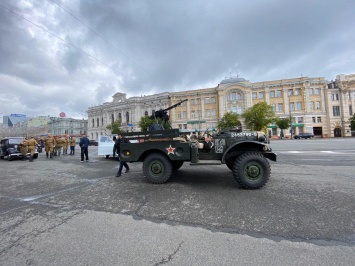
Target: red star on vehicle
x=170 y=150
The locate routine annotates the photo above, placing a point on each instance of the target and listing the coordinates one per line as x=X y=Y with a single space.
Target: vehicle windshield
x=15 y=141
x=105 y=139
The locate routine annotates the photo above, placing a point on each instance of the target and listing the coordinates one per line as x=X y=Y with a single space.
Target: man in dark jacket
x=117 y=148
x=84 y=145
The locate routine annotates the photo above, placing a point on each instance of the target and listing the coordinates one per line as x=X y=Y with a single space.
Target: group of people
x=56 y=145
x=28 y=146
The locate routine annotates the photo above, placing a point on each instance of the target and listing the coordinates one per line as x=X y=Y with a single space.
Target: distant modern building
x=13 y=119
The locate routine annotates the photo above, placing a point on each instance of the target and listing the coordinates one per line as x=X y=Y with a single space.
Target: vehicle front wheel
x=157 y=168
x=251 y=170
x=9 y=157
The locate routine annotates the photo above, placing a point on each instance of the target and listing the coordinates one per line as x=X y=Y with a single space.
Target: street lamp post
x=291 y=120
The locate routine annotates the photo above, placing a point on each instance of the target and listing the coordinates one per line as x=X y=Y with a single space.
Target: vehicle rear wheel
x=157 y=168
x=177 y=165
x=2 y=157
x=251 y=170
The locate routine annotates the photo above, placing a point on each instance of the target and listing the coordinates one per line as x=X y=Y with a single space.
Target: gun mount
x=163 y=113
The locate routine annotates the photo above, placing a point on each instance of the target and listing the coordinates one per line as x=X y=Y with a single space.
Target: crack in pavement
x=170 y=256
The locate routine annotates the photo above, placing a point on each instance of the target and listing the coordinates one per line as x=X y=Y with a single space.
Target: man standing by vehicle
x=49 y=143
x=117 y=148
x=84 y=145
x=23 y=147
x=32 y=144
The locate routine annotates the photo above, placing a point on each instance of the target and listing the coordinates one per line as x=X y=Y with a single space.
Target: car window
x=105 y=139
x=15 y=141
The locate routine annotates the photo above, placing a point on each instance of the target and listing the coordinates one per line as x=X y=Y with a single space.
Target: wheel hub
x=156 y=168
x=253 y=171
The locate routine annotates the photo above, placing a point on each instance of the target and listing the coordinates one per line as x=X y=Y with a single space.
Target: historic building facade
x=69 y=126
x=128 y=110
x=314 y=104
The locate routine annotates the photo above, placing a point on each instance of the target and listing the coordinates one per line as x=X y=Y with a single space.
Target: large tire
x=177 y=165
x=157 y=168
x=9 y=157
x=251 y=170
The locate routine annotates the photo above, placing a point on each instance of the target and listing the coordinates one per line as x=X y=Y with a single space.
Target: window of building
x=198 y=101
x=273 y=107
x=311 y=105
x=192 y=101
x=290 y=92
x=279 y=94
x=336 y=111
x=93 y=122
x=146 y=113
x=207 y=113
x=279 y=107
x=319 y=119
x=239 y=110
x=297 y=91
x=127 y=117
x=112 y=118
x=180 y=126
x=213 y=112
x=350 y=110
x=298 y=106
x=316 y=91
x=120 y=116
x=207 y=100
x=317 y=105
x=310 y=91
x=102 y=121
x=254 y=95
x=313 y=119
x=183 y=104
x=193 y=114
x=335 y=97
x=300 y=119
x=183 y=114
x=97 y=122
x=179 y=115
x=292 y=106
x=213 y=100
x=261 y=95
x=272 y=94
x=232 y=96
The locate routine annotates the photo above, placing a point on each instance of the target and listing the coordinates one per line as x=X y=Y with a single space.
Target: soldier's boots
x=31 y=158
x=71 y=152
x=23 y=158
x=47 y=155
x=51 y=155
x=58 y=153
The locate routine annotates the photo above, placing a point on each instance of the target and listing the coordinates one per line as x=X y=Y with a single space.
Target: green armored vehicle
x=164 y=151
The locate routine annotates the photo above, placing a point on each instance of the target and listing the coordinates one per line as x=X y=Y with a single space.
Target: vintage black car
x=93 y=142
x=10 y=148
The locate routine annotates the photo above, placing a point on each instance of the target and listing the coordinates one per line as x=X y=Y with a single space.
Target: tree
x=115 y=127
x=229 y=120
x=283 y=123
x=259 y=116
x=146 y=121
x=352 y=122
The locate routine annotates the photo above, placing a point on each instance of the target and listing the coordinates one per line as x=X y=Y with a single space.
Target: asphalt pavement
x=63 y=212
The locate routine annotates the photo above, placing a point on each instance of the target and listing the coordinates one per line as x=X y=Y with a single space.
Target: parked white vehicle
x=106 y=144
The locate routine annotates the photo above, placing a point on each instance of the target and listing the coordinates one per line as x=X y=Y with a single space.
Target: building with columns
x=128 y=110
x=314 y=104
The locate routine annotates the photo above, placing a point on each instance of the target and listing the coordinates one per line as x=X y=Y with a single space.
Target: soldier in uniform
x=65 y=144
x=59 y=145
x=49 y=145
x=72 y=145
x=32 y=144
x=23 y=147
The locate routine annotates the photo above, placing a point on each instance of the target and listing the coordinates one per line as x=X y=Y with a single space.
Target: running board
x=207 y=162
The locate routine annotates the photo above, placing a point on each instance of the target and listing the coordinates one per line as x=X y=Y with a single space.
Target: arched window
x=112 y=118
x=93 y=122
x=153 y=112
x=127 y=117
x=120 y=116
x=146 y=113
x=97 y=122
x=102 y=121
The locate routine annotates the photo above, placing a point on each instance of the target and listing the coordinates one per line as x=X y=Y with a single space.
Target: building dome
x=232 y=80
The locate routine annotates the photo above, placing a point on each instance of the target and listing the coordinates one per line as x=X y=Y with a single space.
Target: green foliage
x=259 y=116
x=352 y=122
x=229 y=120
x=283 y=123
x=146 y=121
x=115 y=127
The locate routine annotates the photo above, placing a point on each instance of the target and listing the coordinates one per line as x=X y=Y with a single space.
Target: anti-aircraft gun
x=163 y=114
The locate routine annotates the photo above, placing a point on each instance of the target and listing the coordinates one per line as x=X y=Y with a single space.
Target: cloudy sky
x=67 y=55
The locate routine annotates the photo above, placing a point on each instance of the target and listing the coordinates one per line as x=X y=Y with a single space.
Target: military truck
x=163 y=152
